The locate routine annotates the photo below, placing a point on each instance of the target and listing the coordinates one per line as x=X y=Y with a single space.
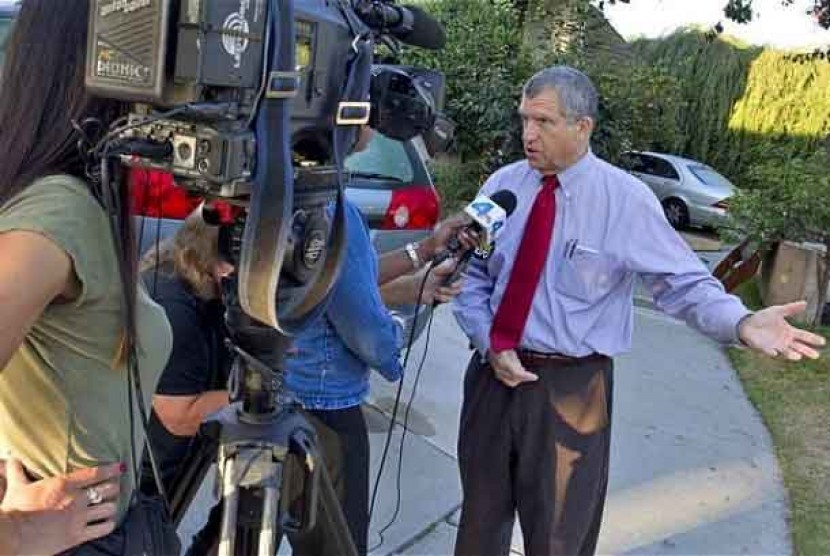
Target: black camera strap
x=110 y=189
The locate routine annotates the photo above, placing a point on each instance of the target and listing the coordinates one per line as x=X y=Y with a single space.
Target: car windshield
x=709 y=176
x=382 y=157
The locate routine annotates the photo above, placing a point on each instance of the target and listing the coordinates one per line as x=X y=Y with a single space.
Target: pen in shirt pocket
x=570 y=246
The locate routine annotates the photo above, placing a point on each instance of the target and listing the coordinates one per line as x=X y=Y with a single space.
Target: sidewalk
x=692 y=469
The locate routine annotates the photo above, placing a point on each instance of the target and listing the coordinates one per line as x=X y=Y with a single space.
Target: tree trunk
x=822 y=286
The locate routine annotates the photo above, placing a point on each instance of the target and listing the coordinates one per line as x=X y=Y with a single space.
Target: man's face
x=552 y=142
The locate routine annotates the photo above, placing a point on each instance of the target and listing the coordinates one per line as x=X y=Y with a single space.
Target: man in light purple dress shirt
x=535 y=424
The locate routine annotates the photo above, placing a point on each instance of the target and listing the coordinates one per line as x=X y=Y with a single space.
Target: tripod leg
x=230 y=503
x=195 y=467
x=333 y=530
x=268 y=532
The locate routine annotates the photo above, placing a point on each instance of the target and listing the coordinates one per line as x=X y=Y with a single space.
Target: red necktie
x=511 y=316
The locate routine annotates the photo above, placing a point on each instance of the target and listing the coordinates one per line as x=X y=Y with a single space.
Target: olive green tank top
x=64 y=400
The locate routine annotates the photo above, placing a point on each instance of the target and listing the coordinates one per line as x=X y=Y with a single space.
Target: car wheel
x=676 y=213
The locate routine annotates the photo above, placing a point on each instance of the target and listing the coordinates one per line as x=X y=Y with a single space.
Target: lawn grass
x=794 y=402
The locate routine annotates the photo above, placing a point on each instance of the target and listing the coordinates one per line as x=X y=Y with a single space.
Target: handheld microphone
x=488 y=216
x=409 y=24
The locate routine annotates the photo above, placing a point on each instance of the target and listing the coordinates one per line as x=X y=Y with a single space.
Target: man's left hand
x=769 y=332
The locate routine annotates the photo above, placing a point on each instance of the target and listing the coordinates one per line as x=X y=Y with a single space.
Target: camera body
x=167 y=53
x=259 y=101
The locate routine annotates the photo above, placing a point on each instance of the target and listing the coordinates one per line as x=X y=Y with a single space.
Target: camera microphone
x=409 y=24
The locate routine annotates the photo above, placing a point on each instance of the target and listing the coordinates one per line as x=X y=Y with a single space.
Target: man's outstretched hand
x=769 y=332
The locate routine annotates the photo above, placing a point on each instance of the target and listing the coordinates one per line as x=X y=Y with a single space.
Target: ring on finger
x=94 y=496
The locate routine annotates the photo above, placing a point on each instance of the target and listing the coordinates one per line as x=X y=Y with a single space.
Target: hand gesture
x=55 y=514
x=769 y=332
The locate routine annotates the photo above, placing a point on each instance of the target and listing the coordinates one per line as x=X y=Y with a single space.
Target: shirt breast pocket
x=587 y=274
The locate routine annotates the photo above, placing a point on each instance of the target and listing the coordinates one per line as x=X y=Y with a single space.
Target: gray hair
x=577 y=95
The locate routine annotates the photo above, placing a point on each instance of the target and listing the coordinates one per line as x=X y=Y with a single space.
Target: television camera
x=257 y=102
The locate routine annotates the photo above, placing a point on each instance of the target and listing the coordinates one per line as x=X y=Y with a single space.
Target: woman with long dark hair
x=73 y=322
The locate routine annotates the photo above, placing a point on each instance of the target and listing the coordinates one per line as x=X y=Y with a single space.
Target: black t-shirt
x=199 y=362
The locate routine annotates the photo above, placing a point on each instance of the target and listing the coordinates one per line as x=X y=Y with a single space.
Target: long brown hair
x=41 y=94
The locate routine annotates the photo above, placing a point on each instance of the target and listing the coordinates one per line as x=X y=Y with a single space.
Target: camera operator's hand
x=52 y=515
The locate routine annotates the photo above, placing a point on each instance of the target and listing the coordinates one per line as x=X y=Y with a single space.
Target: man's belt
x=536 y=358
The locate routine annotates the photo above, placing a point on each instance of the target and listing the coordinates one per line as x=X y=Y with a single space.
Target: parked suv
x=692 y=193
x=388 y=181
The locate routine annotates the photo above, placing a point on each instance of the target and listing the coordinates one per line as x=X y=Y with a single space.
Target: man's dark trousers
x=541 y=449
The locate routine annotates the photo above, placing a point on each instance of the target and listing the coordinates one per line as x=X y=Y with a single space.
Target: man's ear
x=586 y=126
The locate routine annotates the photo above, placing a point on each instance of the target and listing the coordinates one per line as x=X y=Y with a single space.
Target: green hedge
x=489 y=55
x=746 y=105
x=485 y=64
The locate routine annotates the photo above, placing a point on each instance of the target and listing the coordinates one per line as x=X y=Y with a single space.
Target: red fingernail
x=122 y=467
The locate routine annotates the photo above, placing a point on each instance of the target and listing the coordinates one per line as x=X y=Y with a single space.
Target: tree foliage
x=740 y=11
x=494 y=46
x=745 y=104
x=640 y=109
x=787 y=201
x=485 y=64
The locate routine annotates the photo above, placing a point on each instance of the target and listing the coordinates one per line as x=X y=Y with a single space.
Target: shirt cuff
x=738 y=339
x=730 y=319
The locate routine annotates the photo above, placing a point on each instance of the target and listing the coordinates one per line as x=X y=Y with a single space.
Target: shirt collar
x=569 y=178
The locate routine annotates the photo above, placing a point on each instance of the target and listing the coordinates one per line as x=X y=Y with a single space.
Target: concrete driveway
x=692 y=466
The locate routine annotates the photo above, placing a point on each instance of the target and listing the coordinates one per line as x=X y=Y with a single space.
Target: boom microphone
x=409 y=24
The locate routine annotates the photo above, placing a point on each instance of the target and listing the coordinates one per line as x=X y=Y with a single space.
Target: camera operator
x=184 y=277
x=64 y=394
x=331 y=384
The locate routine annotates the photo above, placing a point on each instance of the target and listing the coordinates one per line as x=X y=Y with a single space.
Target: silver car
x=692 y=193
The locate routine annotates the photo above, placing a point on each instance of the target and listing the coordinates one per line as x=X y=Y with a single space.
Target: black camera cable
x=396 y=407
x=99 y=157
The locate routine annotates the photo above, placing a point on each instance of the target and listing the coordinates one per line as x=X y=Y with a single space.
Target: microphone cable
x=396 y=407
